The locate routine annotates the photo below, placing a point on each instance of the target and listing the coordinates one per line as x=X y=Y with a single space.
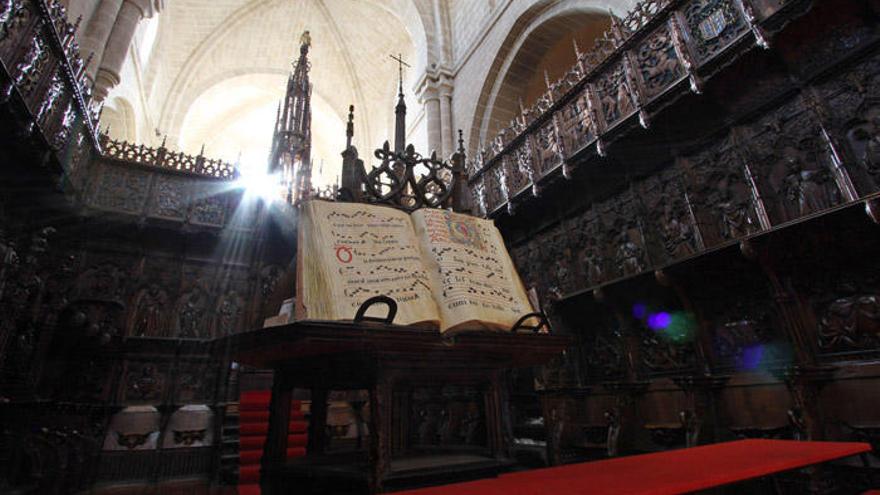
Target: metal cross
x=400 y=64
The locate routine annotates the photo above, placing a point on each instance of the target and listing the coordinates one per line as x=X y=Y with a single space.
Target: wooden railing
x=164 y=158
x=41 y=69
x=660 y=51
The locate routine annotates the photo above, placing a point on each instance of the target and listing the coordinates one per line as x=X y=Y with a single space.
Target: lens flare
x=659 y=321
x=257 y=182
x=640 y=310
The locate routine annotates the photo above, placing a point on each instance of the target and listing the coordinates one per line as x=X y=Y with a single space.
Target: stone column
x=447 y=130
x=432 y=115
x=130 y=13
x=97 y=33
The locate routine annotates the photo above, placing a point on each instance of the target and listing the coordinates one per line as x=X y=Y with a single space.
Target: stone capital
x=148 y=8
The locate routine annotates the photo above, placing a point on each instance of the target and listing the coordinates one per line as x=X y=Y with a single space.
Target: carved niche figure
x=191 y=312
x=101 y=282
x=734 y=214
x=229 y=313
x=677 y=231
x=805 y=190
x=144 y=383
x=852 y=321
x=592 y=261
x=864 y=140
x=149 y=305
x=630 y=256
x=660 y=355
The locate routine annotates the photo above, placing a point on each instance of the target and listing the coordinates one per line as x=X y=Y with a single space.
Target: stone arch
x=185 y=86
x=543 y=23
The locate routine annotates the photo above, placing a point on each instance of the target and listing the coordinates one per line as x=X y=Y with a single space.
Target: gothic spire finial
x=349 y=127
x=400 y=110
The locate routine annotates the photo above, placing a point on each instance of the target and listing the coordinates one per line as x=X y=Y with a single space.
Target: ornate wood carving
x=713 y=24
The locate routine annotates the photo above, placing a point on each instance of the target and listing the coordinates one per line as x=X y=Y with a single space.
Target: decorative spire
x=292 y=142
x=400 y=109
x=349 y=127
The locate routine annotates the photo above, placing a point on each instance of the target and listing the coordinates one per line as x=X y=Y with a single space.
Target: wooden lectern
x=393 y=364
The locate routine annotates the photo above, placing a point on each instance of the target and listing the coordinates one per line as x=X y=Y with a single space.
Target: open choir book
x=445 y=270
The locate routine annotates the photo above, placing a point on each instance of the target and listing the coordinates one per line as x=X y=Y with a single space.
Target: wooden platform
x=389 y=361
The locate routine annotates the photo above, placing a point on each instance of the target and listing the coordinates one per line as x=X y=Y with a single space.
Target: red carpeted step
x=249 y=474
x=263 y=416
x=263 y=428
x=247 y=457
x=251 y=457
x=253 y=489
x=253 y=426
x=255 y=442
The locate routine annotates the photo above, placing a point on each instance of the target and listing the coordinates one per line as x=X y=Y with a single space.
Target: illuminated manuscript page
x=351 y=252
x=473 y=278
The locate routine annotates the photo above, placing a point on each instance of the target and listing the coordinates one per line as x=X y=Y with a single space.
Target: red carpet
x=253 y=423
x=664 y=473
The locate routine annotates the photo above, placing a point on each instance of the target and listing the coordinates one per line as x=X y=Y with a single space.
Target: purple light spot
x=640 y=310
x=751 y=357
x=659 y=321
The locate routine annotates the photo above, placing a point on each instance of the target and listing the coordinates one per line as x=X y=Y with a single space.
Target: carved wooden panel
x=663 y=352
x=170 y=198
x=591 y=244
x=846 y=301
x=614 y=94
x=17 y=18
x=228 y=314
x=194 y=382
x=854 y=114
x=518 y=167
x=619 y=218
x=713 y=25
x=209 y=207
x=493 y=181
x=120 y=189
x=447 y=416
x=576 y=124
x=670 y=226
x=192 y=313
x=791 y=162
x=657 y=63
x=744 y=328
x=549 y=149
x=722 y=198
x=144 y=382
x=148 y=315
x=604 y=352
x=478 y=196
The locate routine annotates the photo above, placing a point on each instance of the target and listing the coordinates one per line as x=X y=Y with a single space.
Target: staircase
x=252 y=426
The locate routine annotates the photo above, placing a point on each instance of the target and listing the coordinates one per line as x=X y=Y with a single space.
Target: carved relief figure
x=144 y=383
x=735 y=214
x=803 y=187
x=658 y=63
x=677 y=231
x=149 y=306
x=229 y=313
x=864 y=140
x=852 y=321
x=191 y=312
x=591 y=258
x=629 y=256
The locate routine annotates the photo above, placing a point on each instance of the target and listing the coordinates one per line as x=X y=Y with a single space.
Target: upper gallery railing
x=164 y=158
x=42 y=76
x=659 y=51
x=42 y=69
